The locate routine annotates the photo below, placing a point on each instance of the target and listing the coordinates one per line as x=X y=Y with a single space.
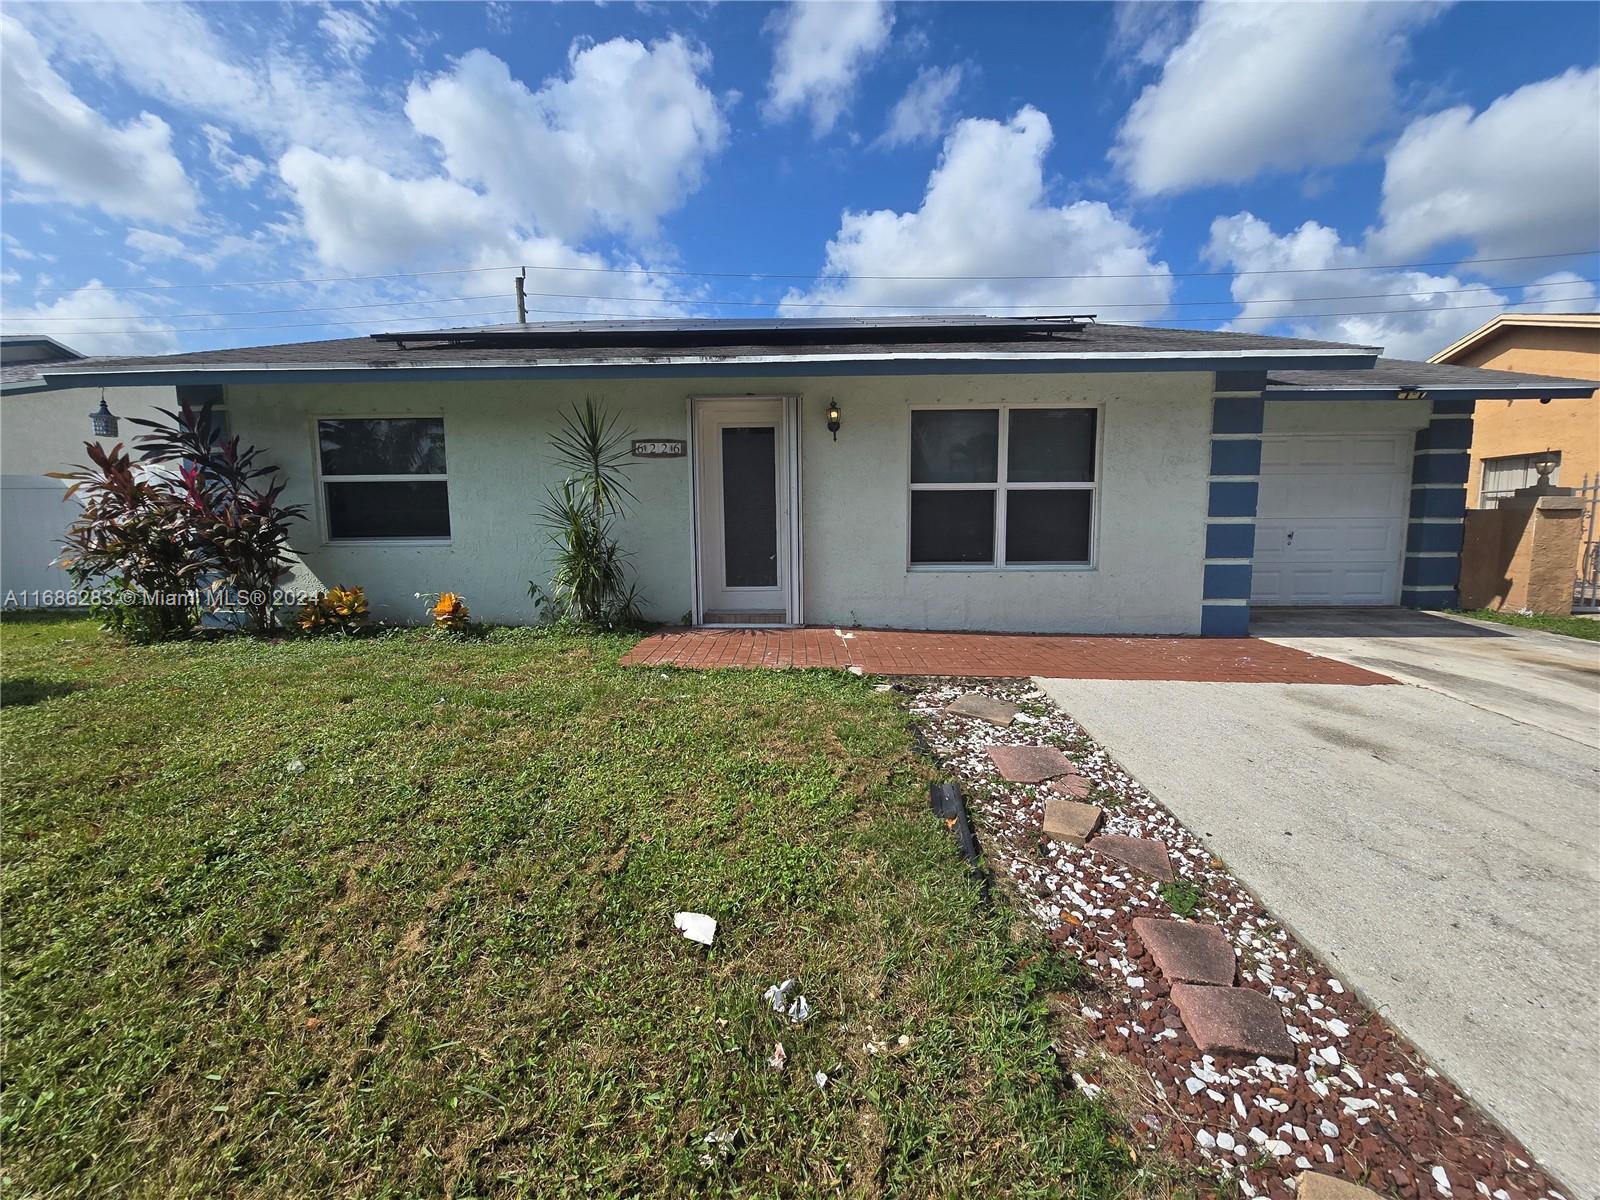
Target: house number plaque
x=659 y=448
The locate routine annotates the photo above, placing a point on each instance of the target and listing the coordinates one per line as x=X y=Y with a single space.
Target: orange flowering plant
x=338 y=610
x=448 y=610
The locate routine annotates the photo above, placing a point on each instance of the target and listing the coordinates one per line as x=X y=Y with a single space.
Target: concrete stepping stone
x=983 y=708
x=1073 y=786
x=1234 y=1021
x=1186 y=952
x=1313 y=1185
x=1069 y=820
x=1145 y=855
x=1029 y=764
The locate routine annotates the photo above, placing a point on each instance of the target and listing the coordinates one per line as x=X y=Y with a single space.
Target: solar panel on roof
x=735 y=330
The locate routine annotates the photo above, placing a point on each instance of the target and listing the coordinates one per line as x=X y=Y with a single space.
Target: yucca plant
x=589 y=584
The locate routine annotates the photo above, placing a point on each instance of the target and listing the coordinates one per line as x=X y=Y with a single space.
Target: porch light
x=103 y=421
x=1411 y=393
x=1545 y=464
x=833 y=419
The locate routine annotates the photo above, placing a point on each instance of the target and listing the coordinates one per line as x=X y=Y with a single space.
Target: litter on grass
x=780 y=1057
x=797 y=1010
x=697 y=927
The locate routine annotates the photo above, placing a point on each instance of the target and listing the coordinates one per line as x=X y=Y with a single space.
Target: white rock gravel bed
x=1358 y=1102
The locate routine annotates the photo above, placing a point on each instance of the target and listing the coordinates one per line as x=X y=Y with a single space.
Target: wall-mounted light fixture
x=1545 y=464
x=1411 y=393
x=833 y=419
x=102 y=420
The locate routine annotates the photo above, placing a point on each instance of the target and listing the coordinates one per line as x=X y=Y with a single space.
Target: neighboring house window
x=1503 y=476
x=384 y=477
x=1002 y=486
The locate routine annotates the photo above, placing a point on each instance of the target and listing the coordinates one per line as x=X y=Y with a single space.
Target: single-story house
x=43 y=428
x=988 y=473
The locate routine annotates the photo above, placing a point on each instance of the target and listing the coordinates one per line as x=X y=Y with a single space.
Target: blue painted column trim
x=1434 y=532
x=1232 y=488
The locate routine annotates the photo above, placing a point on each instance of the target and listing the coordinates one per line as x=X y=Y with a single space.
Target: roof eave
x=894 y=363
x=1489 y=392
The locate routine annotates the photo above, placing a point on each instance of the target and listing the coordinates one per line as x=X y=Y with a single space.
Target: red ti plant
x=130 y=538
x=230 y=502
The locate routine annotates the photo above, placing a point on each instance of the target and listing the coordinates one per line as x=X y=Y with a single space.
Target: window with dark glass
x=384 y=477
x=1003 y=486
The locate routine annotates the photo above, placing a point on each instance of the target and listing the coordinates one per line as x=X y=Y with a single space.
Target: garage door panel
x=1343 y=500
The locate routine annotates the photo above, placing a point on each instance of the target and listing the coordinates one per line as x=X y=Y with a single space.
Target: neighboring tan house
x=1508 y=438
x=43 y=429
x=1045 y=474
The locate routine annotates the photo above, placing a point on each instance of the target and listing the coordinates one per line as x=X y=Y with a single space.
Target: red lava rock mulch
x=1356 y=1101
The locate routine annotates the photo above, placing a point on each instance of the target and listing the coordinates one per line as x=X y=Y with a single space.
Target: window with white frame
x=1010 y=487
x=383 y=477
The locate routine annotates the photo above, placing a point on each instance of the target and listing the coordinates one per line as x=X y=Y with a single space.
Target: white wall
x=1151 y=504
x=45 y=431
x=1147 y=578
x=1345 y=416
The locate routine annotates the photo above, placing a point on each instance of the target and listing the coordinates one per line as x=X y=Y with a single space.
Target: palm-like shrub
x=231 y=505
x=131 y=539
x=589 y=584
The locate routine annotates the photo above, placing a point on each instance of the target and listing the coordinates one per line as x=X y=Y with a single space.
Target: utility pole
x=522 y=297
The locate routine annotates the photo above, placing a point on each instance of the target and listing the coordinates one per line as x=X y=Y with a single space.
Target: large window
x=1003 y=487
x=384 y=477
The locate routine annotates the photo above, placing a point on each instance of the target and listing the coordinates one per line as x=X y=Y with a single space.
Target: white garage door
x=1331 y=519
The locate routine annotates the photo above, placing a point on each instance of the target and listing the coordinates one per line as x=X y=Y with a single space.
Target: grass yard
x=393 y=917
x=1578 y=627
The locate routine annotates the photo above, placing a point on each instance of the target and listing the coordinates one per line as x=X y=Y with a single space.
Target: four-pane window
x=384 y=477
x=1002 y=486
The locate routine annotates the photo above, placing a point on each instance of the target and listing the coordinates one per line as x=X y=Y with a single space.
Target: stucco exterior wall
x=1147 y=577
x=1344 y=416
x=45 y=431
x=1149 y=545
x=1506 y=427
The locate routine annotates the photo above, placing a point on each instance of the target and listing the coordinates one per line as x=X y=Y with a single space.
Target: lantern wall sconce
x=1411 y=393
x=102 y=420
x=833 y=419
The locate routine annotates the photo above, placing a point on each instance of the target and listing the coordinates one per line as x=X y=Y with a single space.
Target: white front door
x=744 y=469
x=1331 y=518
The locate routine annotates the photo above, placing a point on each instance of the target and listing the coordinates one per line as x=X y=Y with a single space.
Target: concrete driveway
x=1437 y=842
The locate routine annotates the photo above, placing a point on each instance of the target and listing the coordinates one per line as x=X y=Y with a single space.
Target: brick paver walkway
x=996 y=655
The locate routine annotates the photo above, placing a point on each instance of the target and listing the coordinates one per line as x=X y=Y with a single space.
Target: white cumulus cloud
x=923 y=112
x=821 y=50
x=1411 y=314
x=1521 y=177
x=618 y=143
x=1266 y=87
x=77 y=319
x=55 y=141
x=1559 y=291
x=987 y=212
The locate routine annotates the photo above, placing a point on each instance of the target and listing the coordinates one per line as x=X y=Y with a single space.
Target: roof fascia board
x=1492 y=392
x=953 y=363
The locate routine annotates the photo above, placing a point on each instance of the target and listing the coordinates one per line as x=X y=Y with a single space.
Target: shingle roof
x=1388 y=375
x=495 y=353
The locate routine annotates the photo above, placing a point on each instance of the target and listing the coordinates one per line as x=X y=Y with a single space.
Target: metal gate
x=1586 y=588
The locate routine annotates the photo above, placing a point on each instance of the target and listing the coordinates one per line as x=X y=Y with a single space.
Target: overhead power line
x=695 y=302
x=753 y=275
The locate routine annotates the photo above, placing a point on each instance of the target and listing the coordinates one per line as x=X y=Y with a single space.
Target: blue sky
x=1335 y=170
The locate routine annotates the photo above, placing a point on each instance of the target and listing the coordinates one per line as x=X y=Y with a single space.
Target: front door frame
x=792 y=558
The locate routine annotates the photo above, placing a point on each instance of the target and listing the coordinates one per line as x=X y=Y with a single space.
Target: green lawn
x=1578 y=627
x=393 y=917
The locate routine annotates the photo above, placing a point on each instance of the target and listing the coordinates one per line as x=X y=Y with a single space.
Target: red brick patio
x=996 y=655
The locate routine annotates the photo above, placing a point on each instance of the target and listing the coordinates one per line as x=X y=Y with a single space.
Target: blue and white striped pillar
x=1233 y=485
x=1438 y=506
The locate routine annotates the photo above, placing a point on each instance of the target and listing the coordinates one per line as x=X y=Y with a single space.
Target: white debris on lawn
x=697 y=927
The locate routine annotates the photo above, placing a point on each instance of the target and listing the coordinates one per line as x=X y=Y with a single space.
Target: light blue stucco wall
x=1148 y=571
